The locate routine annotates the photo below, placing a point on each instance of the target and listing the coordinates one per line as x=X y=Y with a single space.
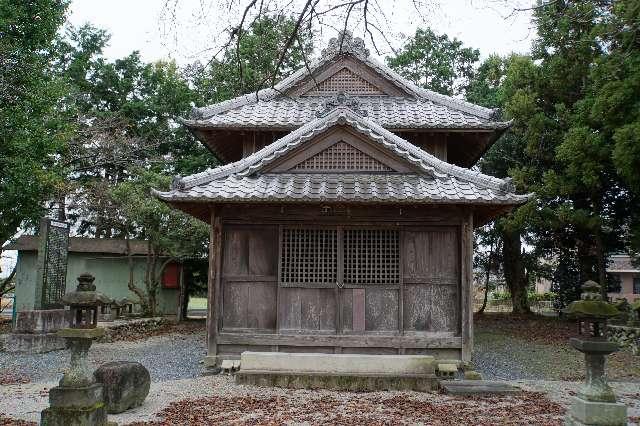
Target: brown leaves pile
x=142 y=330
x=531 y=328
x=364 y=409
x=6 y=421
x=7 y=378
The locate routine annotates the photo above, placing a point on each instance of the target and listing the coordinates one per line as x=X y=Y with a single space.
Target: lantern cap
x=85 y=294
x=591 y=306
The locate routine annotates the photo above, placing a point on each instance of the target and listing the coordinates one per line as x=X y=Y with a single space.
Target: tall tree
x=33 y=130
x=436 y=62
x=254 y=61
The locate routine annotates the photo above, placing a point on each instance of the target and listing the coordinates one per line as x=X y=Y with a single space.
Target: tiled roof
x=438 y=181
x=622 y=263
x=272 y=108
x=389 y=112
x=83 y=245
x=377 y=188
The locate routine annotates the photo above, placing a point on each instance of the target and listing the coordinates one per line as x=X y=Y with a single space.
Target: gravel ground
x=167 y=357
x=494 y=356
x=26 y=401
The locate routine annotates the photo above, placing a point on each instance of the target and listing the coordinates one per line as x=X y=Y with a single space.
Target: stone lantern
x=78 y=399
x=595 y=403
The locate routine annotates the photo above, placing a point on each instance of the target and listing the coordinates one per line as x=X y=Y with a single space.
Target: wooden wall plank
x=358 y=310
x=381 y=309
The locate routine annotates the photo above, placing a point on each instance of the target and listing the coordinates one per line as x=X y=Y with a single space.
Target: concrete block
x=343 y=382
x=596 y=413
x=388 y=365
x=41 y=321
x=32 y=343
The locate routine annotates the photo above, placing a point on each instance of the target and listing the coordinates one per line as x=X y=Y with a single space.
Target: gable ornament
x=341 y=100
x=346 y=43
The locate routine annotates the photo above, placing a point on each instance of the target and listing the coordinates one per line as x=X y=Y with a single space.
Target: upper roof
x=388 y=98
x=429 y=181
x=83 y=245
x=622 y=263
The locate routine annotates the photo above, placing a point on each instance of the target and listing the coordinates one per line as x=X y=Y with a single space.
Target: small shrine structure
x=342 y=221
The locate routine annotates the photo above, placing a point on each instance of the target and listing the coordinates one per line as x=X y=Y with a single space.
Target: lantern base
x=584 y=412
x=75 y=406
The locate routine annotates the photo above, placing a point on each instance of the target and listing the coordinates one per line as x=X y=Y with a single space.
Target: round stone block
x=126 y=384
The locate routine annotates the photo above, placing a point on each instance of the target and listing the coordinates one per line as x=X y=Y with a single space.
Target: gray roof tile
x=438 y=181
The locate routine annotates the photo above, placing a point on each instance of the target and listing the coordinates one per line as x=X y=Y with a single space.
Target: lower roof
x=338 y=187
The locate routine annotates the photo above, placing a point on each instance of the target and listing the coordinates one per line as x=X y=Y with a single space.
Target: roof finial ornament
x=177 y=183
x=346 y=43
x=341 y=100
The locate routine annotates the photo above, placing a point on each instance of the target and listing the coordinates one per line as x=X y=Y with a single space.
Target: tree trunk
x=486 y=281
x=514 y=273
x=602 y=265
x=131 y=284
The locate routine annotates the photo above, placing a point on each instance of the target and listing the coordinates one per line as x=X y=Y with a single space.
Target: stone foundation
x=584 y=412
x=31 y=343
x=343 y=382
x=35 y=332
x=350 y=372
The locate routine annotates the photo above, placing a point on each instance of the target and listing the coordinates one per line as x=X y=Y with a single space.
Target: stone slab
x=596 y=413
x=31 y=343
x=41 y=321
x=84 y=333
x=345 y=364
x=477 y=387
x=343 y=382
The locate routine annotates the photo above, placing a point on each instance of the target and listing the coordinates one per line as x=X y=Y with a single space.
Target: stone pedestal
x=35 y=332
x=595 y=403
x=78 y=400
x=584 y=412
x=77 y=406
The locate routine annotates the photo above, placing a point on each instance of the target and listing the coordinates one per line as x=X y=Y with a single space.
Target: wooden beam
x=466 y=285
x=213 y=282
x=428 y=340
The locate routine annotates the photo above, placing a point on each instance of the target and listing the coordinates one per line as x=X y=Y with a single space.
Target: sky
x=186 y=30
x=189 y=30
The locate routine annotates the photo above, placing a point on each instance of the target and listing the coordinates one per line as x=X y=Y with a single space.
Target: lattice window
x=371 y=256
x=345 y=81
x=309 y=256
x=342 y=157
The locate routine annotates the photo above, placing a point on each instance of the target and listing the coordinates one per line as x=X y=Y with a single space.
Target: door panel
x=431 y=279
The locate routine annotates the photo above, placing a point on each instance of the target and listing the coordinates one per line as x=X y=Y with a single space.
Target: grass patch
x=197 y=303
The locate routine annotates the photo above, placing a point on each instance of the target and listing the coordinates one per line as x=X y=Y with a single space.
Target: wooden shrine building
x=342 y=220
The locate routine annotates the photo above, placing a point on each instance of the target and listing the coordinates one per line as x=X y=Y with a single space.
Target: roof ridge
x=345 y=43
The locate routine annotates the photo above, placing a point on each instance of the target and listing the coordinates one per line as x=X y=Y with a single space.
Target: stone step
x=342 y=382
x=477 y=387
x=349 y=364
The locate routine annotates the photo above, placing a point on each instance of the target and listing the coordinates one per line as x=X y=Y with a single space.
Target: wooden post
x=212 y=288
x=466 y=285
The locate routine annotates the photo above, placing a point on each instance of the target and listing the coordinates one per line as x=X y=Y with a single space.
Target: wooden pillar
x=466 y=286
x=213 y=289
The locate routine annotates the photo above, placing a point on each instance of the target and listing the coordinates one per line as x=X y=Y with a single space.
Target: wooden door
x=371 y=279
x=431 y=275
x=249 y=278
